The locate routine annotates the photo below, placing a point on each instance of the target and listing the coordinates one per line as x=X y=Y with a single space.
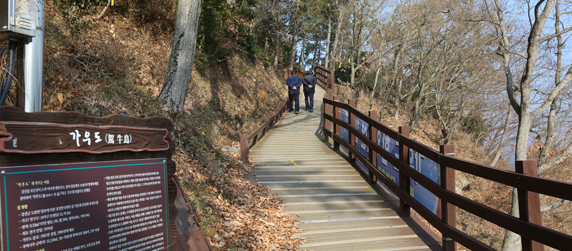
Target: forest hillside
x=491 y=77
x=116 y=63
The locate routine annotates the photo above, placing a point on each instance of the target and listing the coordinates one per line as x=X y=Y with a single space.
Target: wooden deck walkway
x=335 y=205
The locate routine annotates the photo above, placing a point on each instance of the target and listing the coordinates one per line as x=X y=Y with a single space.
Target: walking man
x=294 y=84
x=309 y=88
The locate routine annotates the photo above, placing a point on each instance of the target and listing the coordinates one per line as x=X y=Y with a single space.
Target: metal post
x=34 y=64
x=19 y=74
x=372 y=155
x=448 y=210
x=529 y=203
x=404 y=181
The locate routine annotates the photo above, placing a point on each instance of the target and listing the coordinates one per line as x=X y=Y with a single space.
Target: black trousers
x=294 y=98
x=310 y=103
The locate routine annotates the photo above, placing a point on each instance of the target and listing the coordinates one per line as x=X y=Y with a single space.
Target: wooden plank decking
x=332 y=201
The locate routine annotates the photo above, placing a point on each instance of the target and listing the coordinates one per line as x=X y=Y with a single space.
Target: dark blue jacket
x=309 y=80
x=294 y=81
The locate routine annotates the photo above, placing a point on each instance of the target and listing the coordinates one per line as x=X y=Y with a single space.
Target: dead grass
x=117 y=65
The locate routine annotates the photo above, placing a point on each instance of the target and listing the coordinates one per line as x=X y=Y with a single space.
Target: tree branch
x=556 y=159
x=553 y=205
x=554 y=93
x=544 y=39
x=103 y=11
x=504 y=43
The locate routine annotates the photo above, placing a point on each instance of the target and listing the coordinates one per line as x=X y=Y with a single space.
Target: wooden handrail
x=533 y=184
x=325 y=78
x=254 y=136
x=526 y=183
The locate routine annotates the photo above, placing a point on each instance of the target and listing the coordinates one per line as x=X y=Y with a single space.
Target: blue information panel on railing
x=391 y=146
x=362 y=127
x=417 y=161
x=344 y=133
x=431 y=170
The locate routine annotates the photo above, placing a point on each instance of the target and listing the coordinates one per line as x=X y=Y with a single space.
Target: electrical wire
x=10 y=76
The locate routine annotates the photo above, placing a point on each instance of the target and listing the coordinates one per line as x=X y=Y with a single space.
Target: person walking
x=309 y=89
x=294 y=84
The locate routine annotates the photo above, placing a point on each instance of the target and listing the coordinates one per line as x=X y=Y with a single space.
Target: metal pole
x=34 y=64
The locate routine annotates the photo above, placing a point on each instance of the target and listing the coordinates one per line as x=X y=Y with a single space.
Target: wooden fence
x=325 y=79
x=525 y=179
x=259 y=131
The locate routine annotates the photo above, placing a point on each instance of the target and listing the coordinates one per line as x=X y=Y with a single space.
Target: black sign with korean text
x=111 y=205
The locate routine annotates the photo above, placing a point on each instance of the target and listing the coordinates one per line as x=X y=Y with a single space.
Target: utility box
x=18 y=17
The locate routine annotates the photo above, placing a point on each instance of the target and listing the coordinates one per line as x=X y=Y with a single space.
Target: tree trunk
x=353 y=78
x=302 y=59
x=314 y=54
x=277 y=28
x=503 y=138
x=417 y=106
x=338 y=35
x=294 y=44
x=397 y=80
x=176 y=83
x=374 y=87
x=317 y=54
x=554 y=106
x=512 y=240
x=328 y=42
x=416 y=109
x=399 y=84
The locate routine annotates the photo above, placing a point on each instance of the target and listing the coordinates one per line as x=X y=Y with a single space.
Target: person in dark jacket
x=309 y=88
x=294 y=84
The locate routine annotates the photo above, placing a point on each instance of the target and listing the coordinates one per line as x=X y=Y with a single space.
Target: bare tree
x=277 y=26
x=503 y=140
x=525 y=109
x=338 y=34
x=326 y=62
x=295 y=29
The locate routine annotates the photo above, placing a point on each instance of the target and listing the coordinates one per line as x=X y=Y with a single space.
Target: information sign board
x=391 y=146
x=344 y=133
x=362 y=127
x=431 y=170
x=107 y=205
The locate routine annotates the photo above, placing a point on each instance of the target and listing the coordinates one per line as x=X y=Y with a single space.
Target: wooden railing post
x=254 y=128
x=244 y=148
x=372 y=154
x=404 y=181
x=352 y=103
x=529 y=203
x=448 y=210
x=264 y=119
x=328 y=110
x=337 y=115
